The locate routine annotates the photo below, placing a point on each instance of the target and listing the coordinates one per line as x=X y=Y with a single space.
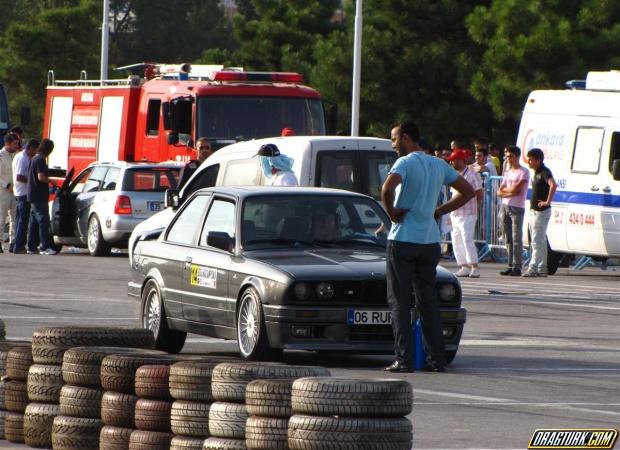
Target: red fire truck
x=157 y=117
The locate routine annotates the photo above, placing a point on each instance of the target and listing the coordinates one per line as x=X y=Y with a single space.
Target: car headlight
x=325 y=291
x=302 y=291
x=447 y=293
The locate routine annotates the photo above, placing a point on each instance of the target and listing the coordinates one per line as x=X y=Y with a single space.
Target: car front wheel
x=251 y=331
x=153 y=317
x=96 y=245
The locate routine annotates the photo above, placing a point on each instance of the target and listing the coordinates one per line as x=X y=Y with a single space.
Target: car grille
x=381 y=333
x=373 y=292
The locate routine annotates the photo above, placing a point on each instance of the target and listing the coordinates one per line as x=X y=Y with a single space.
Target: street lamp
x=357 y=70
x=105 y=32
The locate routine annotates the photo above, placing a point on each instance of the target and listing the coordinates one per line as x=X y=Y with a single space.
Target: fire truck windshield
x=243 y=118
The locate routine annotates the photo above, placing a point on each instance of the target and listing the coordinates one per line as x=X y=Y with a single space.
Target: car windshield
x=156 y=179
x=243 y=118
x=313 y=220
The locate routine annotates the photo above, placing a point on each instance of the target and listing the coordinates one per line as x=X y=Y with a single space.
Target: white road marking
x=539 y=302
x=530 y=342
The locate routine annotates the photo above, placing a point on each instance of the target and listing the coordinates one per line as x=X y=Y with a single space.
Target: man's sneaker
x=506 y=272
x=48 y=251
x=530 y=274
x=516 y=272
x=1 y=251
x=542 y=274
x=463 y=272
x=31 y=252
x=475 y=273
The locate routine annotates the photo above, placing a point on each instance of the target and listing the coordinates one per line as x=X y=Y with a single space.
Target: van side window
x=587 y=152
x=152 y=117
x=242 y=172
x=335 y=170
x=615 y=149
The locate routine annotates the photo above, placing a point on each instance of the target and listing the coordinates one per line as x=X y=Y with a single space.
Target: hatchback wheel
x=96 y=245
x=153 y=317
x=251 y=331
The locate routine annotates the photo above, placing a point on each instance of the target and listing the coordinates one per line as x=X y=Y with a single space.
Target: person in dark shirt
x=543 y=188
x=204 y=149
x=38 y=194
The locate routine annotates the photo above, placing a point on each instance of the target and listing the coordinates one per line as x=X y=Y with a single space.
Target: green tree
x=535 y=45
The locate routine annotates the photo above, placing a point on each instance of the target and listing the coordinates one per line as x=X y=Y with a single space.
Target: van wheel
x=553 y=260
x=153 y=317
x=96 y=245
x=251 y=330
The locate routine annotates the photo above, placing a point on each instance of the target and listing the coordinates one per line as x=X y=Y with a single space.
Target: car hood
x=335 y=264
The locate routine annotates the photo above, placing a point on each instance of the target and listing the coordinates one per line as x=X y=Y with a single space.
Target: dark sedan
x=275 y=268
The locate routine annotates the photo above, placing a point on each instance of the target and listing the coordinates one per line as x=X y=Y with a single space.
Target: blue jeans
x=513 y=233
x=21 y=222
x=39 y=221
x=538 y=234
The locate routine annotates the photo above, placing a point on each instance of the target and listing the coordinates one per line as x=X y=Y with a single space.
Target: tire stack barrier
x=346 y=414
x=190 y=387
x=228 y=415
x=5 y=347
x=2 y=330
x=18 y=362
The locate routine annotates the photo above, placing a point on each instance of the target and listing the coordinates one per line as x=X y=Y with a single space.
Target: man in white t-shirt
x=7 y=199
x=21 y=164
x=277 y=168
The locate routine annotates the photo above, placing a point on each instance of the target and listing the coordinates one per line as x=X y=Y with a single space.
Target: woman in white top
x=277 y=168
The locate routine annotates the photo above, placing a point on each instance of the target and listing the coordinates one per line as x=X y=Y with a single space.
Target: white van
x=578 y=130
x=358 y=164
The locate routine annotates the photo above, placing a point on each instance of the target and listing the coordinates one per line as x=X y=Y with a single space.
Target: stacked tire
x=228 y=415
x=5 y=347
x=17 y=363
x=345 y=414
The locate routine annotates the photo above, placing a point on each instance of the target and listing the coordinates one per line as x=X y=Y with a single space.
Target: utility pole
x=357 y=70
x=105 y=33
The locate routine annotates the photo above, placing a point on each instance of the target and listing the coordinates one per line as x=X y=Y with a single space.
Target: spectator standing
x=464 y=219
x=204 y=149
x=21 y=165
x=495 y=156
x=413 y=243
x=482 y=164
x=38 y=195
x=543 y=189
x=513 y=190
x=7 y=199
x=277 y=168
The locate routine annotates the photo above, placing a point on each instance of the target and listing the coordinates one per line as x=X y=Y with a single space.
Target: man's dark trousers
x=21 y=222
x=414 y=265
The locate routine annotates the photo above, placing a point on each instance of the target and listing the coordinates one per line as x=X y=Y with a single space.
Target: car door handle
x=607 y=189
x=594 y=188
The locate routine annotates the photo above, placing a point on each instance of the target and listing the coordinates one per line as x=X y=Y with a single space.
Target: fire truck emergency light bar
x=281 y=77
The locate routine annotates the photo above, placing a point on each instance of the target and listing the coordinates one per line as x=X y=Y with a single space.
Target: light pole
x=357 y=70
x=105 y=32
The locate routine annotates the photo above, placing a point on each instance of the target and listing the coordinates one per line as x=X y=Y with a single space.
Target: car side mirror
x=221 y=240
x=615 y=169
x=171 y=199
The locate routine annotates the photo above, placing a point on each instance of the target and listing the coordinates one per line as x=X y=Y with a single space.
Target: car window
x=156 y=179
x=78 y=184
x=111 y=178
x=188 y=221
x=204 y=179
x=221 y=217
x=378 y=165
x=96 y=179
x=335 y=170
x=242 y=172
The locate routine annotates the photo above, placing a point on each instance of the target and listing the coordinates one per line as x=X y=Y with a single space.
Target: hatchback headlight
x=325 y=291
x=302 y=291
x=447 y=293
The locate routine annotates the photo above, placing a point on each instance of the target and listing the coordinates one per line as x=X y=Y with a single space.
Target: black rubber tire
x=328 y=396
x=14 y=428
x=2 y=330
x=229 y=380
x=38 y=422
x=266 y=433
x=269 y=398
x=153 y=415
x=227 y=420
x=2 y=405
x=81 y=366
x=15 y=396
x=76 y=433
x=118 y=409
x=214 y=443
x=191 y=380
x=152 y=382
x=97 y=246
x=349 y=433
x=50 y=343
x=18 y=362
x=450 y=355
x=114 y=438
x=186 y=443
x=150 y=440
x=3 y=414
x=553 y=260
x=252 y=338
x=190 y=418
x=44 y=383
x=118 y=372
x=153 y=317
x=77 y=401
x=5 y=347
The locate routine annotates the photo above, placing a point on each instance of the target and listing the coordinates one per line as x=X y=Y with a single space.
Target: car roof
x=251 y=191
x=139 y=164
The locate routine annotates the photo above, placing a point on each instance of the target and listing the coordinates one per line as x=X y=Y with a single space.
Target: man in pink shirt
x=513 y=190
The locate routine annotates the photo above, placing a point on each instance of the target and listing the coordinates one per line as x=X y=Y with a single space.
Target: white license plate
x=155 y=206
x=368 y=317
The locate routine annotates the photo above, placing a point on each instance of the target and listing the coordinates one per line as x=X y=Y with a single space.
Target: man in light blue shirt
x=410 y=195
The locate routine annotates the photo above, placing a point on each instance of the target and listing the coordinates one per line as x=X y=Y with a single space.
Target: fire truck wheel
x=97 y=246
x=153 y=317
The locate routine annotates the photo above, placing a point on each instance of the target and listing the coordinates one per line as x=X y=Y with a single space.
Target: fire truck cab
x=158 y=117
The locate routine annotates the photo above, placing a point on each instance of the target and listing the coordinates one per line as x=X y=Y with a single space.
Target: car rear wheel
x=251 y=331
x=97 y=246
x=153 y=317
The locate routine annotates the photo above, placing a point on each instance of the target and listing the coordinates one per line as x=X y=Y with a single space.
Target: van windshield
x=244 y=118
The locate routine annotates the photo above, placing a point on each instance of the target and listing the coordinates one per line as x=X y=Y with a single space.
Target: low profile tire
x=266 y=433
x=153 y=317
x=553 y=260
x=186 y=443
x=450 y=355
x=251 y=331
x=38 y=422
x=214 y=443
x=97 y=246
x=76 y=433
x=2 y=330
